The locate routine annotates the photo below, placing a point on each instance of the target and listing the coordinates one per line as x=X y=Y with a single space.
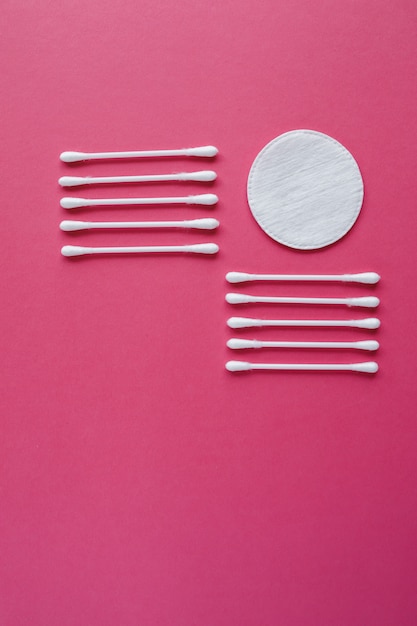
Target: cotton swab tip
x=72 y=203
x=238 y=366
x=204 y=248
x=369 y=367
x=207 y=199
x=205 y=176
x=370 y=323
x=367 y=278
x=237 y=277
x=205 y=223
x=368 y=345
x=242 y=344
x=72 y=225
x=71 y=181
x=72 y=157
x=203 y=151
x=70 y=251
x=370 y=302
x=241 y=322
x=236 y=298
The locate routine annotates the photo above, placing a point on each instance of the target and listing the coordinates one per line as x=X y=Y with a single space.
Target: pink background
x=140 y=482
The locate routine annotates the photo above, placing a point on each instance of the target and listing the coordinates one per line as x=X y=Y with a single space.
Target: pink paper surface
x=140 y=482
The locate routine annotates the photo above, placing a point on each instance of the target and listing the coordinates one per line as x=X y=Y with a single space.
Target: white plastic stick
x=368 y=367
x=207 y=199
x=206 y=223
x=243 y=344
x=368 y=278
x=241 y=298
x=199 y=248
x=75 y=181
x=203 y=151
x=369 y=323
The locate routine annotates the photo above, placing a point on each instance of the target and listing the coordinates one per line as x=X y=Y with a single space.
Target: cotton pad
x=305 y=189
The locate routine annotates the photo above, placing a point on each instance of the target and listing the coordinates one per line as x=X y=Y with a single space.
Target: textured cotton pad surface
x=305 y=189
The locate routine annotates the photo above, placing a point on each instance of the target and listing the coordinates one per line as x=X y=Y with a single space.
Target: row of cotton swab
x=369 y=367
x=202 y=151
x=208 y=199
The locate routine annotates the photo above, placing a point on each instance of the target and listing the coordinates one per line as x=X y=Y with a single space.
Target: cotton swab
x=201 y=224
x=368 y=367
x=241 y=298
x=202 y=151
x=369 y=323
x=75 y=203
x=368 y=278
x=243 y=344
x=200 y=248
x=75 y=181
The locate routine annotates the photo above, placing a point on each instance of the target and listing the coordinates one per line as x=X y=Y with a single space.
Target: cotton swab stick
x=206 y=223
x=202 y=151
x=370 y=323
x=74 y=181
x=241 y=298
x=368 y=367
x=199 y=248
x=243 y=344
x=75 y=203
x=368 y=278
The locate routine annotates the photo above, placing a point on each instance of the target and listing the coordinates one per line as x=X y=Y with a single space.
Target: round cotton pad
x=305 y=189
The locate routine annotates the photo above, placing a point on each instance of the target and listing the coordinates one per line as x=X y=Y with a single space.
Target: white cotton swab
x=75 y=181
x=202 y=151
x=241 y=298
x=368 y=367
x=199 y=248
x=370 y=323
x=243 y=344
x=205 y=223
x=207 y=199
x=368 y=278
